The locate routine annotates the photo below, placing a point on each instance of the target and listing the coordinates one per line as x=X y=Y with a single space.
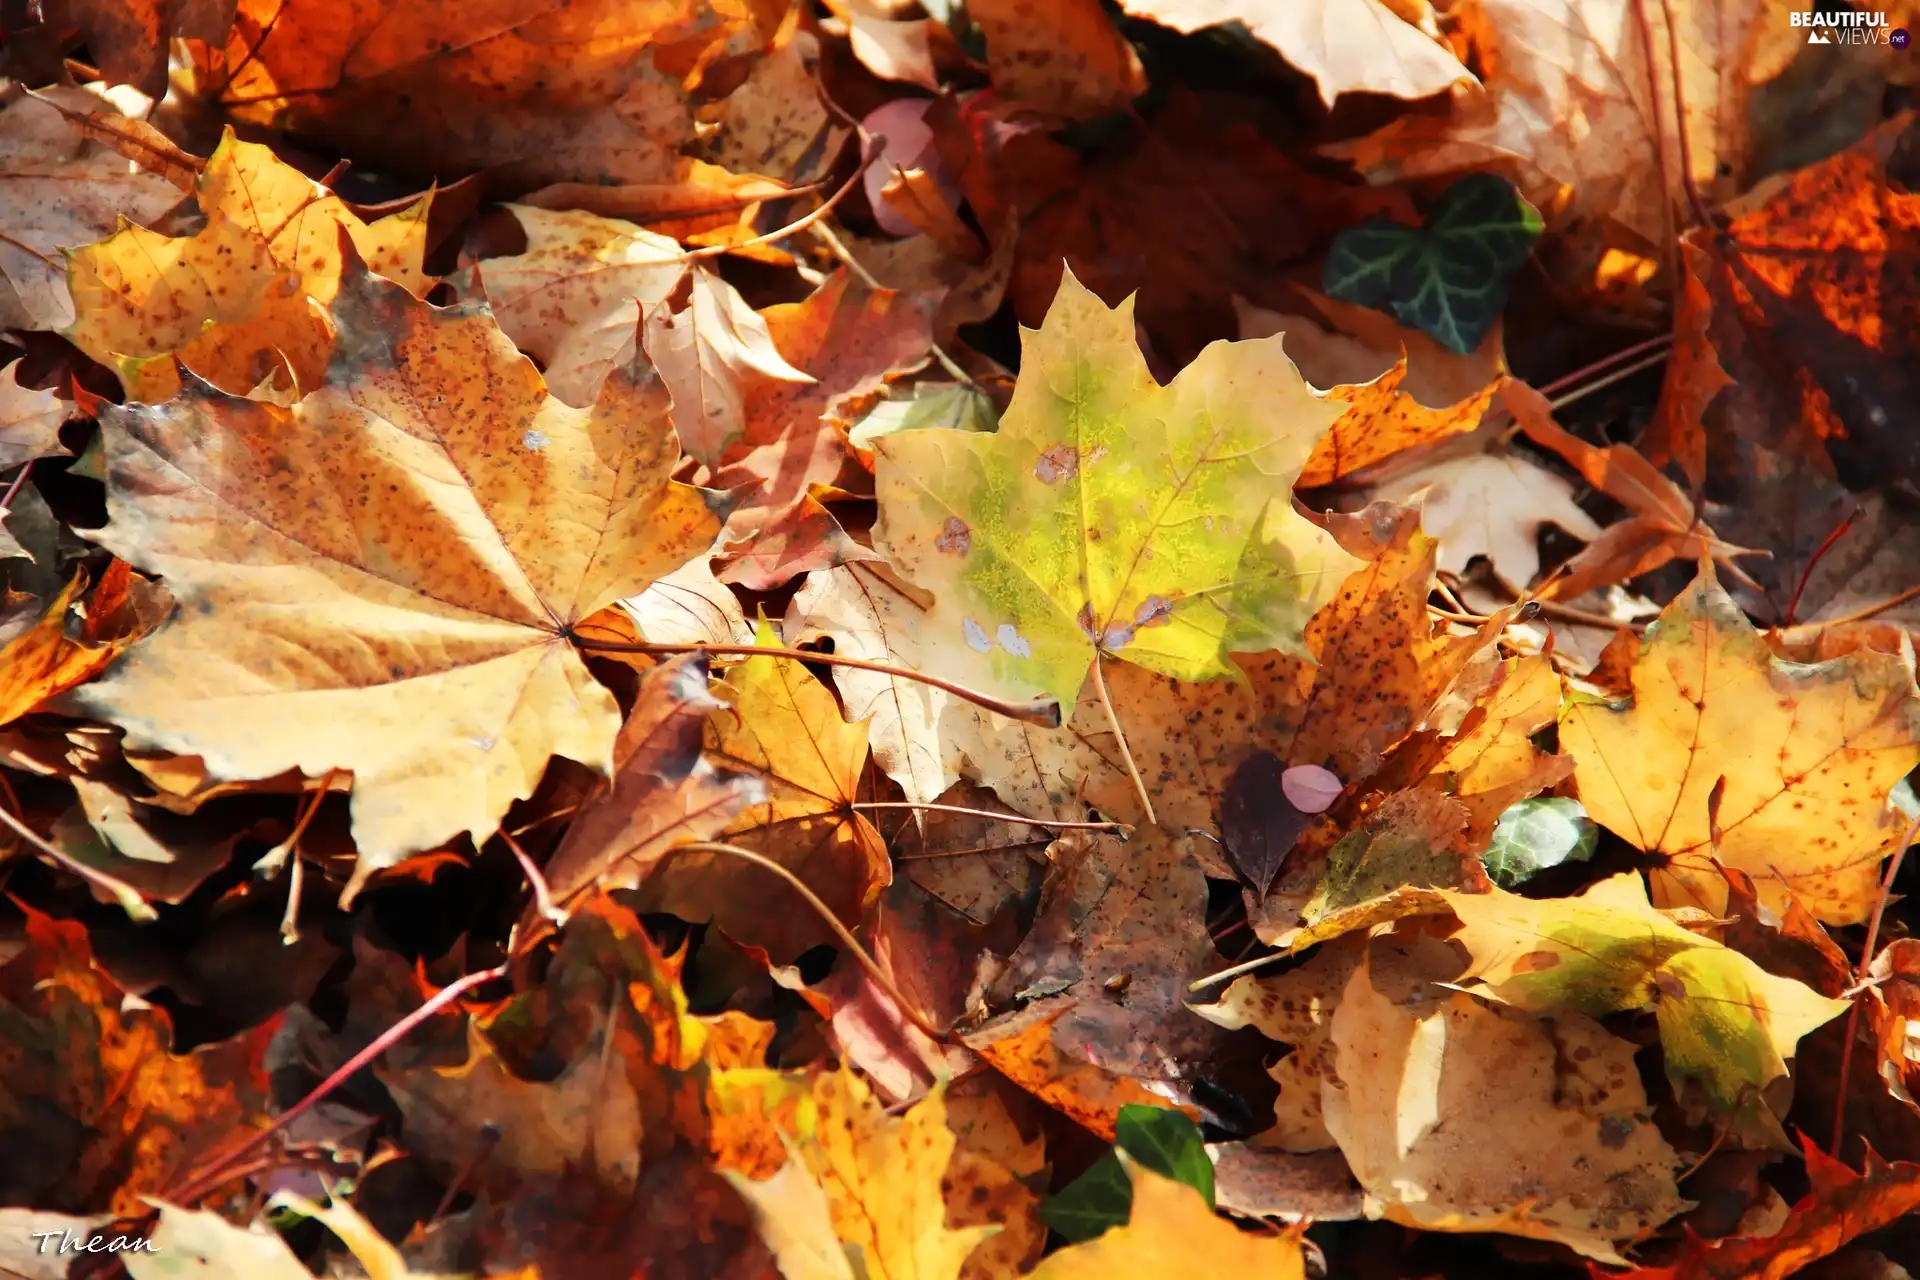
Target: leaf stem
x=1119 y=828
x=1860 y=976
x=125 y=894
x=1235 y=971
x=1566 y=380
x=826 y=914
x=1044 y=712
x=1120 y=737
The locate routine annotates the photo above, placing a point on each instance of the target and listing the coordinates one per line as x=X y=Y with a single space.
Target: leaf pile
x=874 y=640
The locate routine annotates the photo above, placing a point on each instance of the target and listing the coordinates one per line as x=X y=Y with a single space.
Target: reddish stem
x=1826 y=545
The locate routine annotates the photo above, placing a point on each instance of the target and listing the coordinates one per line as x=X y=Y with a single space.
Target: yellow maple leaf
x=382 y=578
x=1802 y=757
x=239 y=297
x=870 y=1182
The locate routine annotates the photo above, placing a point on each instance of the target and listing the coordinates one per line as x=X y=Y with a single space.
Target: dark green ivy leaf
x=1100 y=1198
x=1165 y=1141
x=1449 y=278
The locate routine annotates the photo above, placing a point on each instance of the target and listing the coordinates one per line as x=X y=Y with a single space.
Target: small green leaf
x=1100 y=1198
x=1162 y=1140
x=1533 y=835
x=953 y=406
x=1167 y=1142
x=1449 y=278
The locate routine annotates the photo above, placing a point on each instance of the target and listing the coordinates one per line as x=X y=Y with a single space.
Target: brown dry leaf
x=773 y=121
x=1381 y=421
x=1495 y=764
x=1663 y=526
x=1347 y=46
x=976 y=865
x=891 y=48
x=59 y=190
x=1574 y=1157
x=783 y=727
x=50 y=657
x=160 y=856
x=29 y=420
x=1172 y=1235
x=574 y=298
x=1802 y=758
x=664 y=791
x=1121 y=930
x=1020 y=1046
x=533 y=93
x=1064 y=57
x=1840 y=1206
x=1570 y=99
x=434 y=565
x=236 y=302
x=1492 y=505
x=1893 y=1002
x=95 y=1110
x=708 y=354
x=1125 y=220
x=129 y=38
x=851 y=340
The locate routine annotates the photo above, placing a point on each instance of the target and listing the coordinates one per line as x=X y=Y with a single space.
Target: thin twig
x=1700 y=210
x=1020 y=818
x=1245 y=966
x=1861 y=615
x=1600 y=384
x=1860 y=975
x=125 y=894
x=542 y=897
x=928 y=855
x=1838 y=532
x=1120 y=738
x=826 y=914
x=210 y=1176
x=1044 y=712
x=792 y=228
x=1566 y=380
x=6 y=500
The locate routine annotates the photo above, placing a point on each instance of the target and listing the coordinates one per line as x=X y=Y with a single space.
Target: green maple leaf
x=1109 y=514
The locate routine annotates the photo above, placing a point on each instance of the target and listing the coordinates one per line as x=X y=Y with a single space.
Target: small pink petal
x=1310 y=788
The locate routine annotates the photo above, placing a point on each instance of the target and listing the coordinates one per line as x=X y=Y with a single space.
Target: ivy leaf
x=1449 y=278
x=1536 y=834
x=1159 y=1139
x=1167 y=1142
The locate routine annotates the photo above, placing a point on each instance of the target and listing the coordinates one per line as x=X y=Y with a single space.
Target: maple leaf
x=1574 y=1158
x=1382 y=421
x=1347 y=46
x=869 y=1181
x=234 y=302
x=1112 y=516
x=1172 y=1234
x=59 y=190
x=1492 y=505
x=29 y=420
x=1840 y=1206
x=783 y=727
x=1664 y=523
x=95 y=1108
x=407 y=547
x=1799 y=757
x=573 y=299
x=1725 y=1023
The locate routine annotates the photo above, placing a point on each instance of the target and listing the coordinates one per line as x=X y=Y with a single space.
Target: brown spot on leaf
x=1058 y=463
x=955 y=537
